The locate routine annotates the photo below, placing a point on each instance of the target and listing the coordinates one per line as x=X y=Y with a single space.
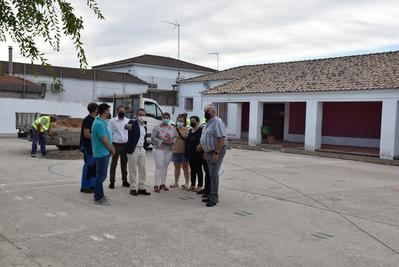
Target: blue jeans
x=101 y=175
x=38 y=137
x=89 y=171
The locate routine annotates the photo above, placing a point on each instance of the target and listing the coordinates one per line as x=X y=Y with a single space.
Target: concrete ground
x=275 y=210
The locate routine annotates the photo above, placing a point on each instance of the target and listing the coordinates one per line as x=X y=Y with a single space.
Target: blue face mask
x=165 y=121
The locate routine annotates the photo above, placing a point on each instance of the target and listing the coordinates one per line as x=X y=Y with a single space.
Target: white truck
x=133 y=102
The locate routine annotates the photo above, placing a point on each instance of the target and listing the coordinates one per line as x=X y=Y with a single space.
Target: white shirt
x=142 y=135
x=117 y=128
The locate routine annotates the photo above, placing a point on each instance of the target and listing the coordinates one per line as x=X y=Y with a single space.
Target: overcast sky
x=243 y=32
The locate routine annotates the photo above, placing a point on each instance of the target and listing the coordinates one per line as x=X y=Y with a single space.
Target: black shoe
x=201 y=192
x=44 y=154
x=111 y=185
x=125 y=184
x=33 y=155
x=102 y=201
x=87 y=190
x=144 y=192
x=211 y=204
x=134 y=192
x=205 y=196
x=205 y=200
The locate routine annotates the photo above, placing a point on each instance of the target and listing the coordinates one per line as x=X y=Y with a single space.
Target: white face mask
x=141 y=118
x=180 y=124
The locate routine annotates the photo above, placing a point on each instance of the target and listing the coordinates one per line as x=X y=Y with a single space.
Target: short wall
x=338 y=141
x=11 y=105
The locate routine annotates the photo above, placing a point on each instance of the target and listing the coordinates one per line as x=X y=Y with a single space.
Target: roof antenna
x=176 y=25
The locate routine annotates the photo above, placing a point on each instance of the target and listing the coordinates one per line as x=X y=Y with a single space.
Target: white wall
x=233 y=119
x=11 y=105
x=85 y=91
x=194 y=90
x=162 y=76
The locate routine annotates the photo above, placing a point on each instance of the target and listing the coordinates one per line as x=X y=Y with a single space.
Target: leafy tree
x=26 y=21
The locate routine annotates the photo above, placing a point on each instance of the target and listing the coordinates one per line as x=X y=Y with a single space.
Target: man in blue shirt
x=101 y=141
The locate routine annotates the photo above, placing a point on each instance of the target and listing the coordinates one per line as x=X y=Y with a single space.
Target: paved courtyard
x=275 y=210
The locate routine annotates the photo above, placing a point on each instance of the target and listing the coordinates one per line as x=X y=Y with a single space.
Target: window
x=188 y=103
x=159 y=114
x=153 y=110
x=153 y=86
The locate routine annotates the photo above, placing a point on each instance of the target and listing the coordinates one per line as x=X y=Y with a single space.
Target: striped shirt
x=214 y=129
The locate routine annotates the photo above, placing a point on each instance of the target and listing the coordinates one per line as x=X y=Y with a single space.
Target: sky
x=243 y=32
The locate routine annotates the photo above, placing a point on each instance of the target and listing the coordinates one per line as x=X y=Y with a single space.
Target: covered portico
x=375 y=111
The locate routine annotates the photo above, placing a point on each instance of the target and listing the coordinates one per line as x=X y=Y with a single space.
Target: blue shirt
x=99 y=129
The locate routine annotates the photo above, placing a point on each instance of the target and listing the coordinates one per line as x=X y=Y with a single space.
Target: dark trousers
x=196 y=171
x=207 y=187
x=89 y=171
x=101 y=175
x=38 y=137
x=120 y=151
x=214 y=168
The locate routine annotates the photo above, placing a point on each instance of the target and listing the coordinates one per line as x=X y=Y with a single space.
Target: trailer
x=66 y=131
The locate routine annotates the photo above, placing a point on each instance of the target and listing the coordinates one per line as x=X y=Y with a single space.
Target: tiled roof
x=361 y=72
x=5 y=79
x=157 y=61
x=229 y=74
x=74 y=73
x=16 y=84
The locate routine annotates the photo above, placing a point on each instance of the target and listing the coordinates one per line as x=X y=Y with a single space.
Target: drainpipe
x=10 y=70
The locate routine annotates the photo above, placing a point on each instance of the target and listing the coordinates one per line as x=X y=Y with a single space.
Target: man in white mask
x=136 y=153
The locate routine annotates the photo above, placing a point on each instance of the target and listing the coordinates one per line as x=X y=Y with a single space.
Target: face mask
x=121 y=115
x=141 y=118
x=180 y=124
x=165 y=121
x=193 y=124
x=207 y=115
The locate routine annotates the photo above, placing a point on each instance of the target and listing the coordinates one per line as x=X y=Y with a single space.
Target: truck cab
x=133 y=102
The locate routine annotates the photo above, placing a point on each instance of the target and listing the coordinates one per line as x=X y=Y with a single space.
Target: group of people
x=194 y=149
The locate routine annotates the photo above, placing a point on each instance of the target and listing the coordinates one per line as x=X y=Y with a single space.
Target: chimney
x=10 y=70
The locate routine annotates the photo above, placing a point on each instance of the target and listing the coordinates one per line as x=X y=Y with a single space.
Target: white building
x=64 y=91
x=161 y=73
x=345 y=101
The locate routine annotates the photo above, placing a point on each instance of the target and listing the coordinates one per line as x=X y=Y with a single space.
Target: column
x=286 y=120
x=238 y=120
x=389 y=129
x=314 y=121
x=255 y=122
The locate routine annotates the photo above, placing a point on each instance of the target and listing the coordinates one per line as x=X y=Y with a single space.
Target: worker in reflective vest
x=39 y=127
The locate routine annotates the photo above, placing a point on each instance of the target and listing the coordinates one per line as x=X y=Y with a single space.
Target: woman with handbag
x=178 y=157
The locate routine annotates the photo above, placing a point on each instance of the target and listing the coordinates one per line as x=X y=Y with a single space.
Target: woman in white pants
x=163 y=139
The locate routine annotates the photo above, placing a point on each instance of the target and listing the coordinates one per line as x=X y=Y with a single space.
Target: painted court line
x=38 y=182
x=96 y=238
x=319 y=236
x=61 y=213
x=51 y=215
x=18 y=198
x=109 y=236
